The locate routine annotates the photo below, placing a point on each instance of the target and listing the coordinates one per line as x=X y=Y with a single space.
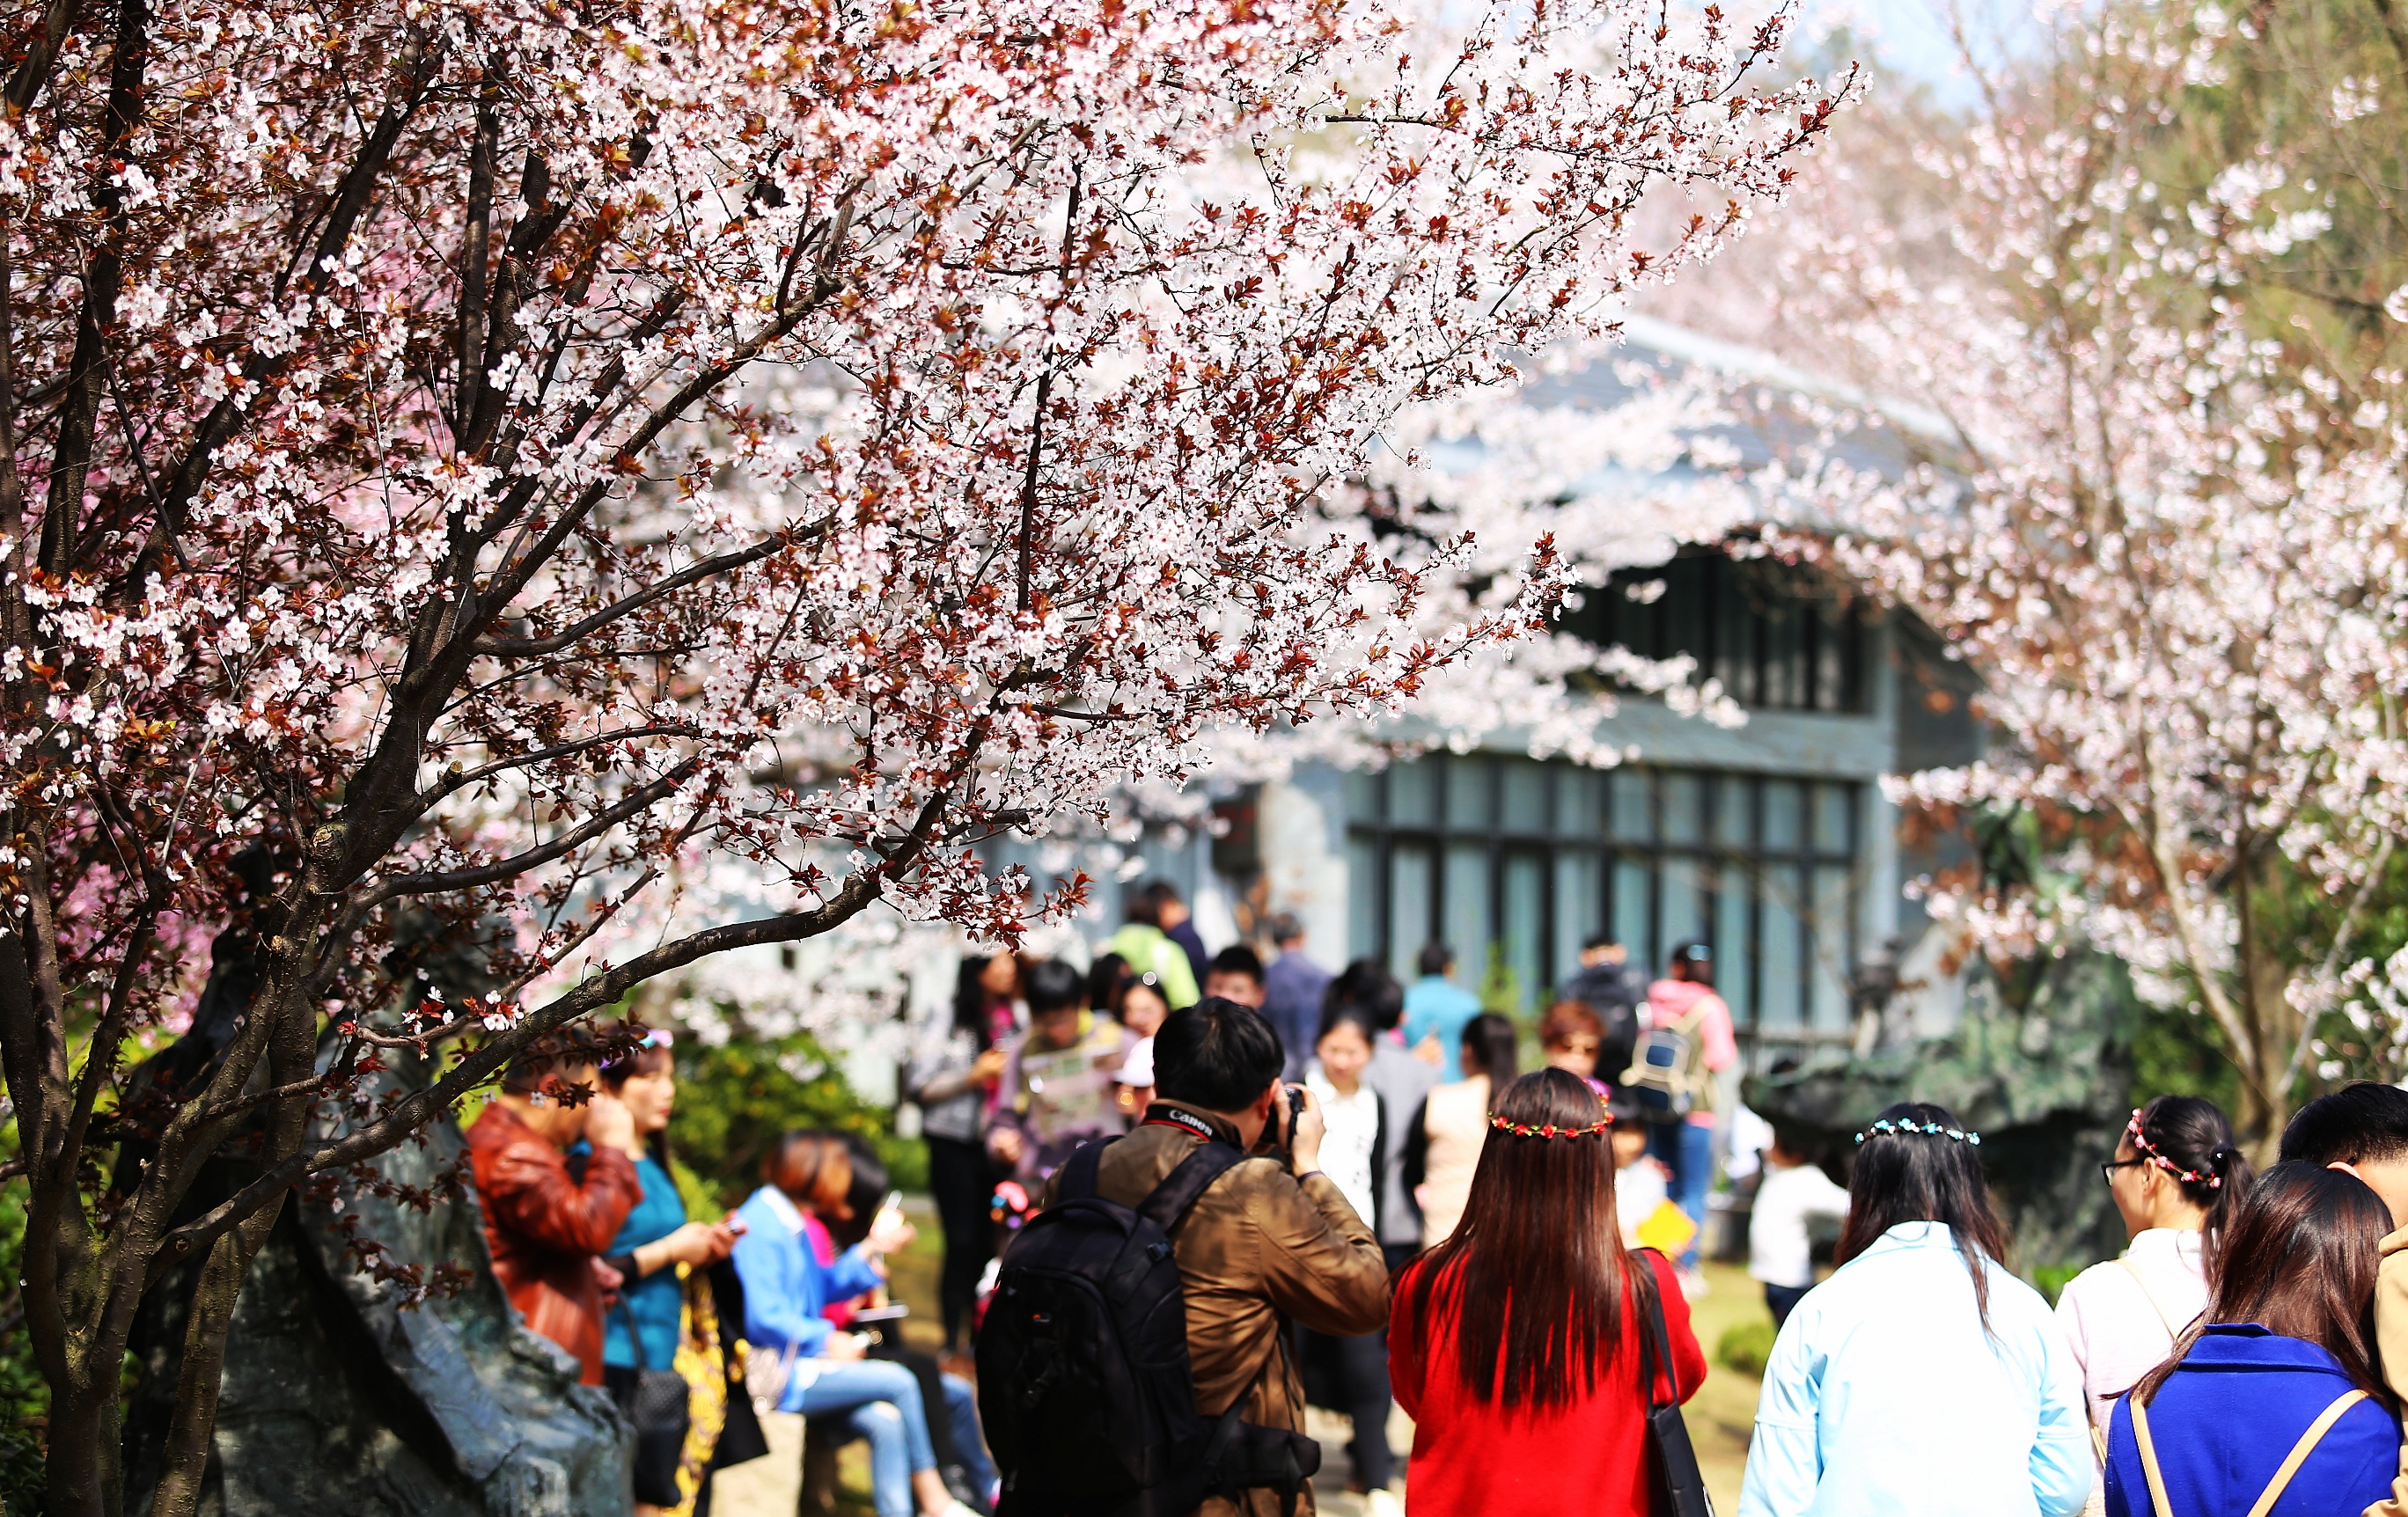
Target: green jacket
x=1150 y=950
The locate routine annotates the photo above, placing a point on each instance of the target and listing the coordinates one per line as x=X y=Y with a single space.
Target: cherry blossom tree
x=2169 y=539
x=458 y=464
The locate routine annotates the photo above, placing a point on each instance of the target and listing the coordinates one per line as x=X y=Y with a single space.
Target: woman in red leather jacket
x=547 y=1228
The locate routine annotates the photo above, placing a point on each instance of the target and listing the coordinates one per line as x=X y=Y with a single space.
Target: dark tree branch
x=693 y=574
x=637 y=802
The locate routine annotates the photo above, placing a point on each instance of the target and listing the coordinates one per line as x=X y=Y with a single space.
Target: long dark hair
x=645 y=1058
x=864 y=1196
x=1924 y=1177
x=2186 y=1133
x=970 y=999
x=2301 y=1259
x=1535 y=1271
x=1490 y=1044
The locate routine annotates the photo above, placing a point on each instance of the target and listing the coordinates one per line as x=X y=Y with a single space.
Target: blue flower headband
x=1953 y=1134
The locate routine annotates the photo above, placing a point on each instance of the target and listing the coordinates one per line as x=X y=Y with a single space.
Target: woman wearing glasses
x=2176 y=1179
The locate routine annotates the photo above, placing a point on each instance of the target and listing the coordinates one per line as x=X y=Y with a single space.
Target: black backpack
x=1085 y=1385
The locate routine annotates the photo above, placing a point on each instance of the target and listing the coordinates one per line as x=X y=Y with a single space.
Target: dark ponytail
x=1491 y=1047
x=2189 y=1139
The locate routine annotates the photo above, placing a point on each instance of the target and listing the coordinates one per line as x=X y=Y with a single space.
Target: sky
x=1913 y=36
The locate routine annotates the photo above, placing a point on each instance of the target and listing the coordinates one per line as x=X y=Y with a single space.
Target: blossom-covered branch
x=457 y=463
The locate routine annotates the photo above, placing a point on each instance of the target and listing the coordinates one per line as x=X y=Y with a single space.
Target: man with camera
x=1271 y=1241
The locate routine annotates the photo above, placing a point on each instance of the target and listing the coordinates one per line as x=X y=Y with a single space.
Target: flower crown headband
x=1887 y=1128
x=1549 y=1129
x=2148 y=1151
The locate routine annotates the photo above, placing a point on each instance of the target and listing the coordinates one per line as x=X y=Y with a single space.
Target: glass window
x=1634 y=907
x=1468 y=927
x=1413 y=794
x=1831 y=808
x=1362 y=794
x=1363 y=888
x=1735 y=645
x=1576 y=810
x=1412 y=895
x=1525 y=786
x=1685 y=903
x=1525 y=922
x=1781 y=819
x=1633 y=812
x=1733 y=826
x=1783 y=680
x=1734 y=949
x=1466 y=793
x=1780 y=978
x=1832 y=665
x=1577 y=909
x=1685 y=805
x=1831 y=950
x=1762 y=867
x=1774 y=634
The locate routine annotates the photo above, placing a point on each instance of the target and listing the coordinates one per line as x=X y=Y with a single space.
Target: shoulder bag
x=1677 y=1488
x=659 y=1409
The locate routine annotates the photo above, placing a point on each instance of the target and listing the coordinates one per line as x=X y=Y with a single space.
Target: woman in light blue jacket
x=1921 y=1377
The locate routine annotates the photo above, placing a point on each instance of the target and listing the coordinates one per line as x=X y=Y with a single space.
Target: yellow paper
x=1667 y=1230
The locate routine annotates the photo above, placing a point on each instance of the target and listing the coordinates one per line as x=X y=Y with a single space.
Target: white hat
x=1138 y=1068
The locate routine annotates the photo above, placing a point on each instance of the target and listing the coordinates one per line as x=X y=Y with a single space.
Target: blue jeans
x=1781 y=1300
x=1689 y=1150
x=879 y=1401
x=961 y=1415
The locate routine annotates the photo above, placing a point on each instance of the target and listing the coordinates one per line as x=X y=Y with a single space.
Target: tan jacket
x=2391 y=1345
x=1258 y=1249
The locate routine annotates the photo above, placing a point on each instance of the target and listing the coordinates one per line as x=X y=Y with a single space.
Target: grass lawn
x=1724 y=1410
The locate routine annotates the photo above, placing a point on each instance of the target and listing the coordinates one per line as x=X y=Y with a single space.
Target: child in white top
x=1780 y=1251
x=2176 y=1177
x=1641 y=1184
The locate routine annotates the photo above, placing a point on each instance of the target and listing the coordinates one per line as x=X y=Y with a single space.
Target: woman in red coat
x=1514 y=1344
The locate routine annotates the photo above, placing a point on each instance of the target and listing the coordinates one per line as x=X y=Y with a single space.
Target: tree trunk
x=199 y=1374
x=86 y=1476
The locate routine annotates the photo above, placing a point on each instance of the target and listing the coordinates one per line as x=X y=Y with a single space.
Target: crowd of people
x=1036 y=1060
x=1355 y=1198
x=708 y=1334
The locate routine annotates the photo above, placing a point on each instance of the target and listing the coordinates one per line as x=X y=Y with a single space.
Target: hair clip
x=1885 y=1128
x=2149 y=1151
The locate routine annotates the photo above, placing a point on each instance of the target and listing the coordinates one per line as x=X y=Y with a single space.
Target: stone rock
x=338 y=1400
x=2039 y=1066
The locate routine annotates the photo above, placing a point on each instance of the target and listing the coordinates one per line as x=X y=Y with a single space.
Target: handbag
x=1677 y=1488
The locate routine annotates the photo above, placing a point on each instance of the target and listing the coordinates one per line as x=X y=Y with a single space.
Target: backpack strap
x=2300 y=1450
x=1077 y=1180
x=2157 y=1503
x=2275 y=1488
x=1229 y=1445
x=2173 y=1328
x=1168 y=1201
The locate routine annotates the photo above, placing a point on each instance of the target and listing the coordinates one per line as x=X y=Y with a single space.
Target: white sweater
x=2119 y=1330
